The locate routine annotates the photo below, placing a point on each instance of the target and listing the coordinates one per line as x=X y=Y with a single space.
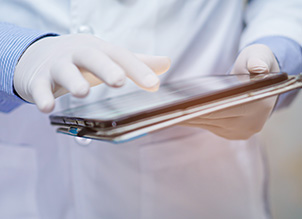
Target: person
x=215 y=169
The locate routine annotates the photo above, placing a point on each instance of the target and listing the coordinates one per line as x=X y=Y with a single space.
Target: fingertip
x=158 y=64
x=118 y=82
x=151 y=81
x=257 y=66
x=155 y=88
x=152 y=89
x=166 y=64
x=81 y=90
x=46 y=106
x=42 y=96
x=116 y=79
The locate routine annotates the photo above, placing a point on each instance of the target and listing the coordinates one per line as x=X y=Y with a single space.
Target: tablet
x=131 y=115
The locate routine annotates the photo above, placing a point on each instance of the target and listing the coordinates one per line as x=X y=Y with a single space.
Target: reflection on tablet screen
x=167 y=94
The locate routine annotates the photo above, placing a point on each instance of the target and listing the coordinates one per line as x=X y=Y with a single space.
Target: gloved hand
x=242 y=121
x=53 y=66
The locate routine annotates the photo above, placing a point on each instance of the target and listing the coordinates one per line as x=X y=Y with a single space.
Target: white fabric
x=175 y=173
x=282 y=17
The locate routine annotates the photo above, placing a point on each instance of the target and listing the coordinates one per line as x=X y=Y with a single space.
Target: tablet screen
x=168 y=94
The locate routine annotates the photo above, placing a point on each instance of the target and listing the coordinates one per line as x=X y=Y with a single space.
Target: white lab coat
x=176 y=173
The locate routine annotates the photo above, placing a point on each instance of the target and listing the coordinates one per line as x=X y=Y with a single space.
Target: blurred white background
x=282 y=137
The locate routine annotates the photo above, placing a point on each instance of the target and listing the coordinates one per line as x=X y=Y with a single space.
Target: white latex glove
x=53 y=66
x=242 y=121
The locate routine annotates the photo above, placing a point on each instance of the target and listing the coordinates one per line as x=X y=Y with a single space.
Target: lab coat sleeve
x=13 y=42
x=272 y=18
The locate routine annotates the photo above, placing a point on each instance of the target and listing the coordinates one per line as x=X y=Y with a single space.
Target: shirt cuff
x=14 y=41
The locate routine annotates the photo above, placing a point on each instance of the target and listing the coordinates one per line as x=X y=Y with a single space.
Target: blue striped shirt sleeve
x=289 y=56
x=13 y=42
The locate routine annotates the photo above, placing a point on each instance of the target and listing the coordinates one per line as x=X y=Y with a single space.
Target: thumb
x=257 y=66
